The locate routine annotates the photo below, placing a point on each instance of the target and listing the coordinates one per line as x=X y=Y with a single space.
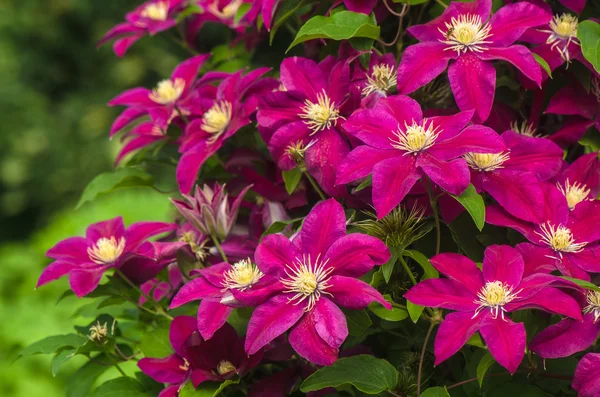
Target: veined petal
x=324 y=158
x=309 y=344
x=453 y=176
x=355 y=294
x=506 y=341
x=324 y=225
x=447 y=294
x=107 y=229
x=538 y=156
x=450 y=126
x=588 y=260
x=391 y=186
x=550 y=300
x=330 y=322
x=473 y=139
x=72 y=249
x=182 y=327
x=473 y=83
x=355 y=254
x=495 y=215
x=572 y=99
x=198 y=288
x=571 y=132
x=188 y=70
x=460 y=269
x=274 y=253
x=375 y=127
x=139 y=232
x=137 y=97
x=503 y=263
x=512 y=20
x=212 y=314
x=83 y=282
x=535 y=259
x=54 y=271
x=518 y=55
x=164 y=370
x=566 y=338
x=421 y=63
x=360 y=162
x=303 y=75
x=454 y=332
x=587 y=375
x=584 y=221
x=190 y=163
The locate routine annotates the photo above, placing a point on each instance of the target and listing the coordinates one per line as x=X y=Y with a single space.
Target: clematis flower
x=362 y=6
x=580 y=181
x=152 y=17
x=315 y=274
x=575 y=5
x=221 y=288
x=173 y=97
x=378 y=80
x=564 y=239
x=161 y=289
x=107 y=245
x=222 y=114
x=511 y=177
x=464 y=34
x=481 y=300
x=397 y=137
x=587 y=376
x=304 y=117
x=140 y=136
x=210 y=211
x=568 y=337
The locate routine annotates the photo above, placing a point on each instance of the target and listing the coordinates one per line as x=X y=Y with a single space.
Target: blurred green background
x=54 y=85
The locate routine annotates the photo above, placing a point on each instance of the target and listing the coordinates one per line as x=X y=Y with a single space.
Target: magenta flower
x=140 y=136
x=223 y=112
x=568 y=337
x=378 y=80
x=107 y=245
x=362 y=6
x=152 y=17
x=587 y=376
x=464 y=34
x=580 y=181
x=267 y=9
x=482 y=298
x=315 y=274
x=161 y=289
x=511 y=177
x=304 y=117
x=222 y=288
x=397 y=137
x=575 y=5
x=564 y=239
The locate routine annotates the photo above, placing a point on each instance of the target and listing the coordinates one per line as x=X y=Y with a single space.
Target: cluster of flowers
x=342 y=124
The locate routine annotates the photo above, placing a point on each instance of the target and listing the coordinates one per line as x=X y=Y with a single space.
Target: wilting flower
x=305 y=116
x=107 y=245
x=561 y=238
x=464 y=34
x=483 y=298
x=315 y=273
x=150 y=18
x=210 y=211
x=511 y=176
x=580 y=181
x=587 y=375
x=172 y=97
x=568 y=336
x=222 y=113
x=397 y=137
x=222 y=288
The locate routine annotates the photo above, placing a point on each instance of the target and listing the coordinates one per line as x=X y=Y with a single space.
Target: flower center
x=243 y=275
x=466 y=33
x=486 y=161
x=185 y=366
x=575 y=193
x=559 y=238
x=382 y=78
x=167 y=91
x=158 y=11
x=106 y=250
x=216 y=120
x=495 y=295
x=524 y=128
x=563 y=31
x=98 y=332
x=225 y=367
x=307 y=280
x=320 y=115
x=297 y=151
x=593 y=301
x=227 y=12
x=415 y=138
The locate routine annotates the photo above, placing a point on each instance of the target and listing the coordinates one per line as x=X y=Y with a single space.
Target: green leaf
x=388 y=267
x=241 y=12
x=120 y=387
x=52 y=344
x=341 y=26
x=398 y=312
x=588 y=33
x=358 y=322
x=278 y=226
x=156 y=343
x=111 y=301
x=414 y=311
x=475 y=340
x=368 y=374
x=474 y=204
x=291 y=179
x=283 y=13
x=423 y=261
x=484 y=364
x=435 y=392
x=80 y=384
x=60 y=358
x=364 y=184
x=542 y=62
x=206 y=389
x=190 y=10
x=110 y=181
x=583 y=284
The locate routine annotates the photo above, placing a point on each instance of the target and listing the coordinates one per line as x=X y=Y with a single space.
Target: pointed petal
x=303 y=75
x=355 y=254
x=447 y=294
x=330 y=322
x=110 y=228
x=565 y=338
x=137 y=97
x=360 y=162
x=85 y=281
x=198 y=288
x=390 y=186
x=454 y=332
x=375 y=127
x=164 y=370
x=587 y=375
x=324 y=158
x=324 y=225
x=72 y=249
x=495 y=215
x=474 y=139
x=503 y=263
x=182 y=327
x=305 y=339
x=452 y=176
x=450 y=126
x=473 y=83
x=188 y=70
x=550 y=300
x=518 y=55
x=190 y=163
x=139 y=232
x=211 y=316
x=354 y=294
x=506 y=341
x=54 y=271
x=420 y=64
x=512 y=20
x=274 y=253
x=584 y=221
x=461 y=269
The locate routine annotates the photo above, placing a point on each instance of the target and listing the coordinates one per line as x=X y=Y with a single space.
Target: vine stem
x=114 y=361
x=160 y=311
x=315 y=185
x=423 y=350
x=407 y=269
x=218 y=246
x=436 y=215
x=440 y=2
x=183 y=116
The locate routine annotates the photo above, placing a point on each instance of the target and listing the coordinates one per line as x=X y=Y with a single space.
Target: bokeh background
x=54 y=123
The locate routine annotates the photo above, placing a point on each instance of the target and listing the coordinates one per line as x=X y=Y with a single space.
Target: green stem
x=440 y=2
x=183 y=116
x=114 y=362
x=407 y=269
x=436 y=214
x=218 y=246
x=423 y=350
x=315 y=185
x=159 y=309
x=132 y=285
x=183 y=44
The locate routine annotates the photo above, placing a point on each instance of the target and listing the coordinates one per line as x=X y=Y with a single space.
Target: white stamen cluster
x=494 y=295
x=167 y=91
x=593 y=301
x=486 y=161
x=98 y=332
x=466 y=33
x=225 y=367
x=158 y=11
x=321 y=115
x=563 y=32
x=574 y=193
x=524 y=128
x=307 y=280
x=381 y=79
x=415 y=138
x=243 y=275
x=216 y=120
x=106 y=250
x=559 y=238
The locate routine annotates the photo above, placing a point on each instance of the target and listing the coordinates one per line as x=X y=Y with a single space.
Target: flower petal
x=360 y=162
x=355 y=254
x=447 y=294
x=191 y=162
x=461 y=269
x=323 y=226
x=587 y=375
x=375 y=127
x=139 y=232
x=420 y=64
x=391 y=186
x=303 y=75
x=584 y=221
x=182 y=327
x=330 y=322
x=518 y=55
x=506 y=341
x=107 y=229
x=198 y=288
x=164 y=370
x=473 y=83
x=274 y=253
x=565 y=338
x=473 y=139
x=550 y=300
x=503 y=263
x=324 y=158
x=454 y=332
x=72 y=249
x=512 y=20
x=354 y=294
x=188 y=70
x=453 y=176
x=54 y=271
x=211 y=316
x=309 y=344
x=83 y=282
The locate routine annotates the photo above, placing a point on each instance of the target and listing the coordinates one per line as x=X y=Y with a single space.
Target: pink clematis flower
x=575 y=5
x=315 y=274
x=161 y=289
x=107 y=245
x=223 y=113
x=152 y=17
x=566 y=240
x=362 y=6
x=511 y=177
x=397 y=137
x=464 y=34
x=587 y=375
x=173 y=97
x=378 y=80
x=481 y=300
x=303 y=118
x=580 y=181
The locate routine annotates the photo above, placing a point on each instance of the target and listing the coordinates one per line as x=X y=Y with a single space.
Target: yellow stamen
x=167 y=91
x=486 y=161
x=563 y=31
x=381 y=79
x=158 y=11
x=185 y=366
x=307 y=280
x=321 y=115
x=574 y=193
x=415 y=138
x=98 y=332
x=495 y=295
x=216 y=120
x=559 y=238
x=227 y=12
x=106 y=250
x=524 y=128
x=466 y=33
x=225 y=367
x=243 y=275
x=593 y=301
